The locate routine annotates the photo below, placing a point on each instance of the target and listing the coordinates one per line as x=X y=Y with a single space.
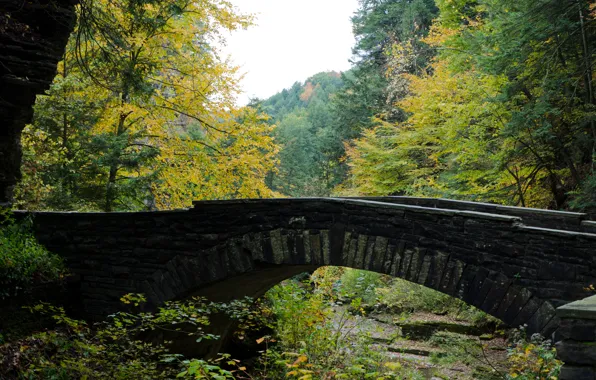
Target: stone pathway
x=386 y=333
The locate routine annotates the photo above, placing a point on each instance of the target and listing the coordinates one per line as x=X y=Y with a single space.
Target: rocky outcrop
x=33 y=36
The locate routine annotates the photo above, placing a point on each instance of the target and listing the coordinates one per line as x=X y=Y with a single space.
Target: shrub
x=23 y=261
x=456 y=348
x=533 y=358
x=584 y=198
x=410 y=296
x=362 y=284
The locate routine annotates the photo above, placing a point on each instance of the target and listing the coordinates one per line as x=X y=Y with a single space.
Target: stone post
x=576 y=339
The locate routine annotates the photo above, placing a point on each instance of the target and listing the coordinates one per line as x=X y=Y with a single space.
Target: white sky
x=291 y=41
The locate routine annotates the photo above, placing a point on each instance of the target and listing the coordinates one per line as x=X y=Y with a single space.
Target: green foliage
x=316 y=119
x=361 y=284
x=374 y=289
x=457 y=348
x=406 y=295
x=311 y=149
x=379 y=25
x=504 y=113
x=212 y=369
x=143 y=115
x=462 y=349
x=114 y=349
x=23 y=261
x=584 y=198
x=316 y=342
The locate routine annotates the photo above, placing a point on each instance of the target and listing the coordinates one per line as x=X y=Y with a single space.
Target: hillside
x=307 y=133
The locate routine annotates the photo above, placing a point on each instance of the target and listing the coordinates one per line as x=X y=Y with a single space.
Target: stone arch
x=255 y=262
x=252 y=264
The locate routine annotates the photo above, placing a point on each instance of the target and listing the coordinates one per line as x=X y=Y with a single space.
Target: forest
x=479 y=100
x=476 y=100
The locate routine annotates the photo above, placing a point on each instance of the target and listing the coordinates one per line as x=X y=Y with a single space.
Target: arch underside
x=252 y=264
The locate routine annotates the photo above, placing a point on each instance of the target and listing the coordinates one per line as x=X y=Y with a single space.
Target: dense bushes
x=114 y=349
x=320 y=341
x=533 y=358
x=400 y=295
x=317 y=338
x=23 y=261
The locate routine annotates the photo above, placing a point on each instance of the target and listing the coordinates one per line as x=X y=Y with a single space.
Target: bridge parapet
x=516 y=272
x=552 y=219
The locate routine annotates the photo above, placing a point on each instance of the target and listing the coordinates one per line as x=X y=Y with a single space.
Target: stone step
x=424 y=330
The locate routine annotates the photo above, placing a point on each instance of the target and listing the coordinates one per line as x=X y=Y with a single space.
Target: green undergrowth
x=114 y=349
x=319 y=340
x=316 y=340
x=316 y=330
x=24 y=263
x=381 y=292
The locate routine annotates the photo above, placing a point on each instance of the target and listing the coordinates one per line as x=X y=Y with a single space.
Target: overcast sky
x=291 y=41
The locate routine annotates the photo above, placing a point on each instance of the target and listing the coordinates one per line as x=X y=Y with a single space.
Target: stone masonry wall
x=558 y=220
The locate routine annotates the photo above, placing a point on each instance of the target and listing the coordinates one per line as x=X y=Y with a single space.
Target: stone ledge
x=577 y=353
x=99 y=213
x=582 y=309
x=496 y=207
x=562 y=233
x=431 y=210
x=577 y=373
x=364 y=202
x=590 y=225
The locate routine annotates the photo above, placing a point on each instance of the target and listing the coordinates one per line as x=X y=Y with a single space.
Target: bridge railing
x=532 y=217
x=560 y=220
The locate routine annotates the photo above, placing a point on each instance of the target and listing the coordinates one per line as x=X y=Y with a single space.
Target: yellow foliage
x=167 y=95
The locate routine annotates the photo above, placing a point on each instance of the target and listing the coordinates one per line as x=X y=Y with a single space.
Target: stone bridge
x=516 y=264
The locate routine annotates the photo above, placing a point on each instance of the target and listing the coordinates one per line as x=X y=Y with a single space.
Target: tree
x=379 y=25
x=449 y=146
x=309 y=159
x=545 y=49
x=169 y=130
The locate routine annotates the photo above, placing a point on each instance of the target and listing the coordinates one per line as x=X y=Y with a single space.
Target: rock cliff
x=33 y=36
